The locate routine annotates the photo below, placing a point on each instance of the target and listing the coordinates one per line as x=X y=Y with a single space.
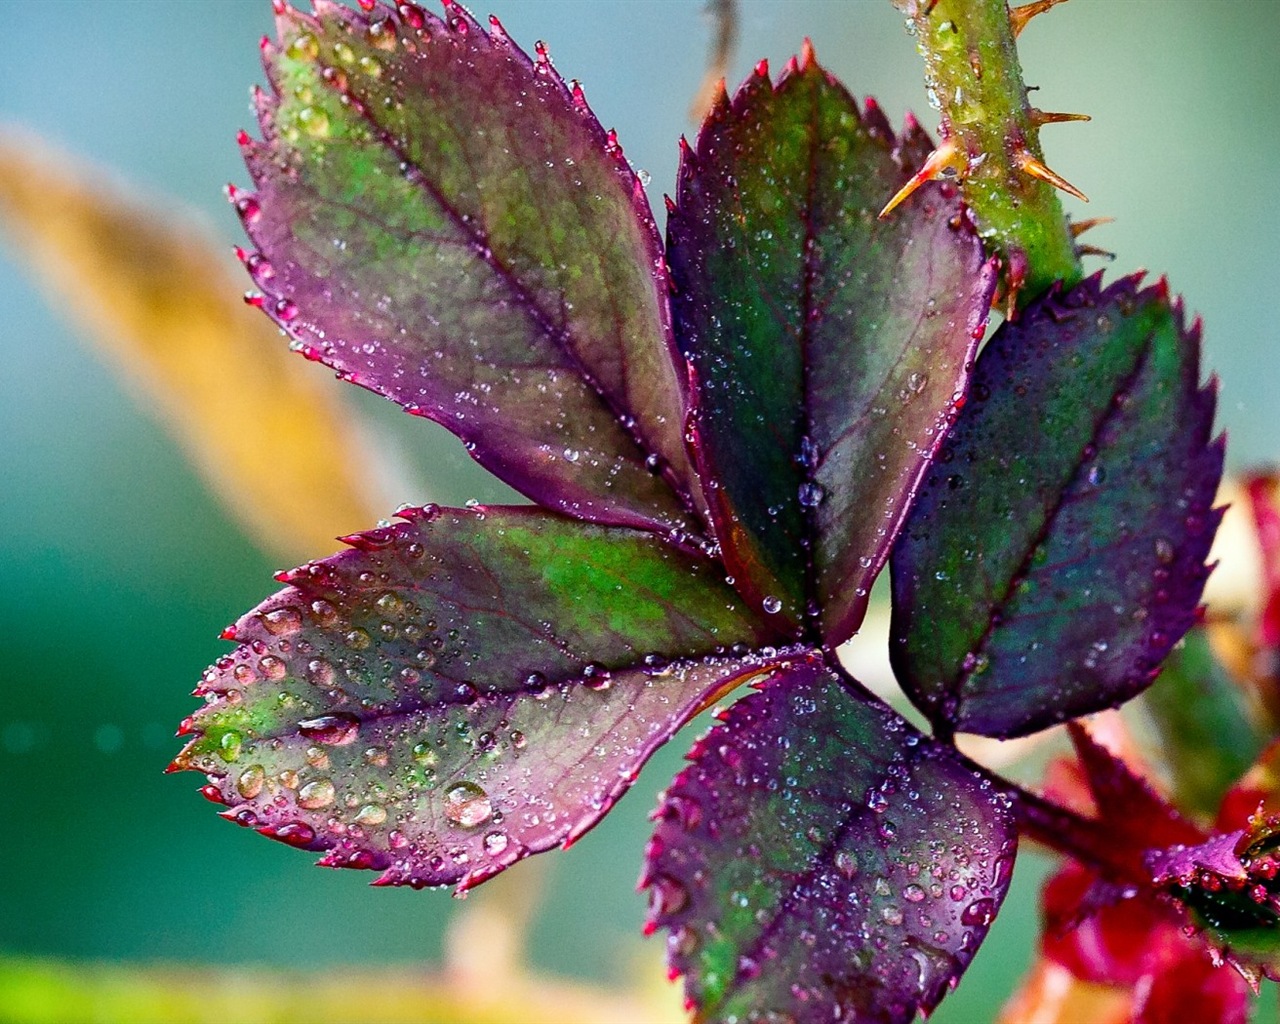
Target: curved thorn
x=1028 y=164
x=1019 y=16
x=1042 y=117
x=947 y=156
x=1081 y=226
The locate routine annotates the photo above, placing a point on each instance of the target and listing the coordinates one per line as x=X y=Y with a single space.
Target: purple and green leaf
x=821 y=860
x=464 y=688
x=1056 y=550
x=830 y=348
x=442 y=220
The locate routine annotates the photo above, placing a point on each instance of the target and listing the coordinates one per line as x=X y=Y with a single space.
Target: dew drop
x=468 y=805
x=251 y=780
x=335 y=730
x=978 y=913
x=495 y=843
x=810 y=494
x=315 y=795
x=370 y=815
x=771 y=605
x=1165 y=553
x=229 y=745
x=282 y=621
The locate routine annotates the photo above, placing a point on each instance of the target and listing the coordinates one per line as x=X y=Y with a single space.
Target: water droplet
x=771 y=605
x=810 y=494
x=229 y=745
x=314 y=121
x=978 y=913
x=315 y=795
x=303 y=47
x=251 y=780
x=1097 y=475
x=913 y=893
x=1165 y=552
x=877 y=802
x=370 y=815
x=282 y=621
x=335 y=730
x=466 y=804
x=572 y=455
x=846 y=863
x=495 y=843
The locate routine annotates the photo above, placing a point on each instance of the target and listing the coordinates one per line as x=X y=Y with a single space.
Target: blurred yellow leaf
x=147 y=285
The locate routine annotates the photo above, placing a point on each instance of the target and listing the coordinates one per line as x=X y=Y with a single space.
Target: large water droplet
x=771 y=605
x=336 y=730
x=315 y=795
x=251 y=780
x=466 y=804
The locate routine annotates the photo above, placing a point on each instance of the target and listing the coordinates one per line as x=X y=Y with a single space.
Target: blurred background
x=119 y=563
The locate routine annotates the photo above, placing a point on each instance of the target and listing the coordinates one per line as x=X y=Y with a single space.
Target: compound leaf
x=1056 y=552
x=463 y=689
x=821 y=860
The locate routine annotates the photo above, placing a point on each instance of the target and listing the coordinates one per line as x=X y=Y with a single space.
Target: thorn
x=278 y=6
x=229 y=633
x=1028 y=164
x=1042 y=117
x=1081 y=226
x=1019 y=16
x=649 y=928
x=1093 y=250
x=947 y=156
x=762 y=68
x=807 y=56
x=242 y=139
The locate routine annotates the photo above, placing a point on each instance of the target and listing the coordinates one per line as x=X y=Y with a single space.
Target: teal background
x=118 y=568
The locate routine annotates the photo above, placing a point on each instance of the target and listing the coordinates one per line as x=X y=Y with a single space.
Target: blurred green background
x=118 y=568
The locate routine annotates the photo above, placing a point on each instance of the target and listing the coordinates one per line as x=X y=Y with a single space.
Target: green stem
x=973 y=74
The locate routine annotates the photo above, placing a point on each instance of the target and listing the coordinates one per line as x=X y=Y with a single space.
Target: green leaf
x=1056 y=552
x=830 y=348
x=1207 y=739
x=463 y=689
x=820 y=860
x=442 y=220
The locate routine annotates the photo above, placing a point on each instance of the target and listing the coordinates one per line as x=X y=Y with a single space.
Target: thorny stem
x=1071 y=833
x=989 y=137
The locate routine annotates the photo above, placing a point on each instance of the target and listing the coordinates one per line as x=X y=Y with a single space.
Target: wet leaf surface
x=830 y=348
x=463 y=689
x=1056 y=553
x=821 y=860
x=442 y=220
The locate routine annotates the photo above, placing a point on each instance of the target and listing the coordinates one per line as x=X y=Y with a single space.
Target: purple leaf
x=463 y=689
x=1056 y=552
x=821 y=860
x=442 y=220
x=830 y=348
